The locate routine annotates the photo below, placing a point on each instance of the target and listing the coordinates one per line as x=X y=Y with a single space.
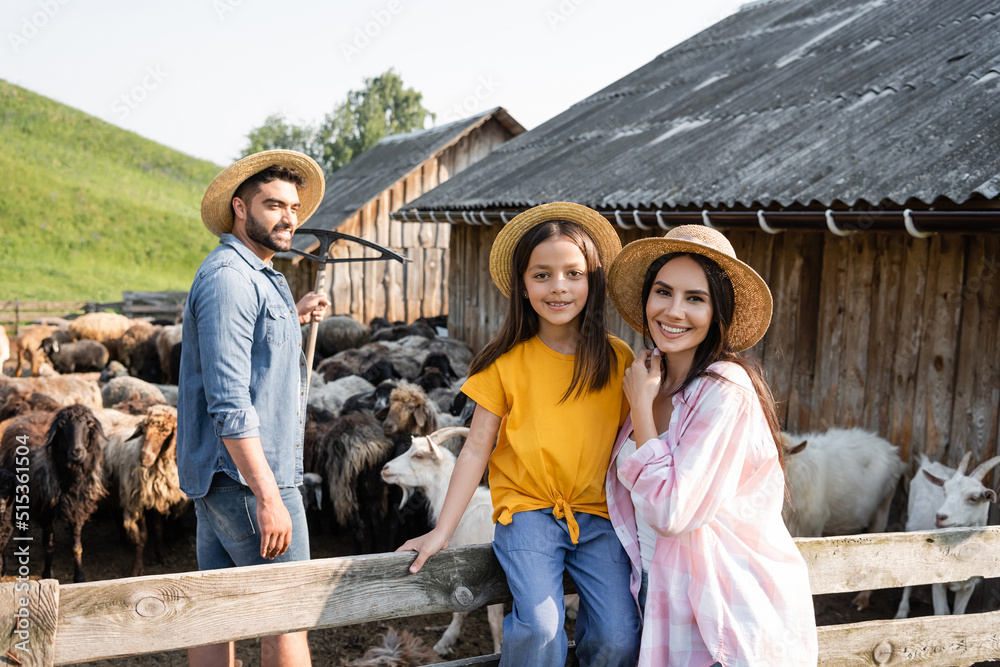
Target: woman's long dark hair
x=595 y=357
x=716 y=346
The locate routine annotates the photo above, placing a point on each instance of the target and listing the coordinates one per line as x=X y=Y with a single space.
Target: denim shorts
x=228 y=535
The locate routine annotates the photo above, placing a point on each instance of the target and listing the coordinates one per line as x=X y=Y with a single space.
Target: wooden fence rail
x=167 y=305
x=108 y=619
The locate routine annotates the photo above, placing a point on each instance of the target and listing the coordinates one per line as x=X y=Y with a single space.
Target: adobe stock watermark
x=22 y=550
x=32 y=25
x=364 y=34
x=223 y=7
x=130 y=100
x=562 y=12
x=486 y=86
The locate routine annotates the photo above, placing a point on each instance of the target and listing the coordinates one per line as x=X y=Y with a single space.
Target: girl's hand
x=643 y=379
x=426 y=546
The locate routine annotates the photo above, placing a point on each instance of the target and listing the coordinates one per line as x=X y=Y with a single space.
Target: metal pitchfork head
x=325 y=265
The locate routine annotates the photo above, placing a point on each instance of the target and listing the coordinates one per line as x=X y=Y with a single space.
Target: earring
x=525 y=294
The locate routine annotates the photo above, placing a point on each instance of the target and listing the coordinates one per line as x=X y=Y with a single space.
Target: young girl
x=713 y=567
x=549 y=384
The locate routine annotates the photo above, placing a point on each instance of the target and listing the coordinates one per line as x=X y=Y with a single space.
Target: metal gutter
x=917 y=223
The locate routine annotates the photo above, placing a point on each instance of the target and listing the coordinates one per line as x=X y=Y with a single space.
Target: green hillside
x=88 y=210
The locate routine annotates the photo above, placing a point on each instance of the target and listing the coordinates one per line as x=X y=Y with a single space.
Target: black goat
x=65 y=467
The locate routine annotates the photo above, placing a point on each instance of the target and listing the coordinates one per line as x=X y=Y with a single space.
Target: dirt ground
x=107 y=556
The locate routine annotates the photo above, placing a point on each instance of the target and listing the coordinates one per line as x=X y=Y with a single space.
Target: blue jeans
x=228 y=534
x=534 y=550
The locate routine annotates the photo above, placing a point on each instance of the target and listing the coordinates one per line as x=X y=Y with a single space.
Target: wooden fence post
x=28 y=631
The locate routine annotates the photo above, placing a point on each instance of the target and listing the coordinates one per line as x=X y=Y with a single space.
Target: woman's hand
x=426 y=546
x=643 y=379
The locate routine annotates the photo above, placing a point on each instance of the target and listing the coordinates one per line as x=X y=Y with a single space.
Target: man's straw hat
x=752 y=313
x=599 y=229
x=217 y=207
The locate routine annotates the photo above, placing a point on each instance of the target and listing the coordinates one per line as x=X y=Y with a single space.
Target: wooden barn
x=359 y=198
x=850 y=150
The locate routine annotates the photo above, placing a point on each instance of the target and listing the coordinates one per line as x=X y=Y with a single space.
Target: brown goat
x=410 y=411
x=27 y=348
x=141 y=462
x=65 y=466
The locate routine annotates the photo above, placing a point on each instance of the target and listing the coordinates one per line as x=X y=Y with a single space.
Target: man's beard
x=258 y=234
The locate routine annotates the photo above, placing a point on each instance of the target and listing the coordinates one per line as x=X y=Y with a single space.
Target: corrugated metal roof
x=382 y=165
x=791 y=102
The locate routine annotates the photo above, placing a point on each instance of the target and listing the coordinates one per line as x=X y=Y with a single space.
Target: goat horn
x=448 y=432
x=963 y=465
x=983 y=468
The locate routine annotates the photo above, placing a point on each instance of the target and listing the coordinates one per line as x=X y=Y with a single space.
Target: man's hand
x=275 y=527
x=312 y=307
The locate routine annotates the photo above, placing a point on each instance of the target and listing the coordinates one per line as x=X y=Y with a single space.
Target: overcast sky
x=197 y=75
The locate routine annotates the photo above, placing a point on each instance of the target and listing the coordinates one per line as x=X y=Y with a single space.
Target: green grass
x=88 y=210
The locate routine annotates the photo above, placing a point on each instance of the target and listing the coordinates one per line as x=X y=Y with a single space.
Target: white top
x=647 y=536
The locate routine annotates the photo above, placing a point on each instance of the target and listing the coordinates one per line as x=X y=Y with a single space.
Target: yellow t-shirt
x=549 y=454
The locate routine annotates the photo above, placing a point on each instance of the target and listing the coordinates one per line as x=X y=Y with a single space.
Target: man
x=241 y=404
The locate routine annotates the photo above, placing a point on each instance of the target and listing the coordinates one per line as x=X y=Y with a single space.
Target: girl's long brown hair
x=595 y=357
x=716 y=346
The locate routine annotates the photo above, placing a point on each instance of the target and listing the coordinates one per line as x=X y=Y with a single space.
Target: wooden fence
x=166 y=305
x=106 y=619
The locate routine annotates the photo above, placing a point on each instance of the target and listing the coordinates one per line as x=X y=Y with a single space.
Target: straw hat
x=752 y=312
x=217 y=205
x=600 y=230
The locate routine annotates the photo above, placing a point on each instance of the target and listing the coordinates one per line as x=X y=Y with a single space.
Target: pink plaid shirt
x=727 y=583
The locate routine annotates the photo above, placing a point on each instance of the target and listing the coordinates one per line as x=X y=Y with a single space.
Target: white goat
x=841 y=483
x=428 y=466
x=942 y=497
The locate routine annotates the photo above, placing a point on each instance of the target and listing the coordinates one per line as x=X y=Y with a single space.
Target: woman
x=697 y=503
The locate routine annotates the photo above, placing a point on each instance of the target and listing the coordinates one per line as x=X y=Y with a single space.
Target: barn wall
x=419 y=288
x=883 y=331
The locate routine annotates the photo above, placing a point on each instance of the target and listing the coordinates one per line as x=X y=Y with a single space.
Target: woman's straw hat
x=752 y=313
x=600 y=230
x=217 y=205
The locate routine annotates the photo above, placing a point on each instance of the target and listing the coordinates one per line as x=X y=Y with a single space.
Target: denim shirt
x=243 y=373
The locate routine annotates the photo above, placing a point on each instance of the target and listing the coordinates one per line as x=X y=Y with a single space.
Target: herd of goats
x=87 y=413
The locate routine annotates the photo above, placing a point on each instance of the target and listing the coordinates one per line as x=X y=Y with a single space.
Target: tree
x=383 y=107
x=276 y=132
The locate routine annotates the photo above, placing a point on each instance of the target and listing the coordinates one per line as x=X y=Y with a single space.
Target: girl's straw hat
x=217 y=205
x=752 y=313
x=600 y=230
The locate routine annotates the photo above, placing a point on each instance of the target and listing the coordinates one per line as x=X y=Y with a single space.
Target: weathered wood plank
x=857 y=330
x=892 y=560
x=977 y=383
x=930 y=641
x=800 y=406
x=340 y=290
x=779 y=350
x=395 y=296
x=414 y=282
x=833 y=287
x=886 y=284
x=357 y=271
x=115 y=618
x=936 y=375
x=433 y=279
x=28 y=624
x=430 y=174
x=907 y=349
